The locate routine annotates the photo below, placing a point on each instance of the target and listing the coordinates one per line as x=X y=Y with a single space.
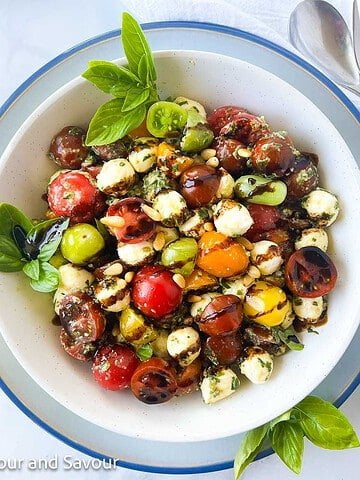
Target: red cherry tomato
x=199 y=184
x=265 y=218
x=138 y=226
x=81 y=317
x=75 y=195
x=222 y=116
x=154 y=381
x=67 y=148
x=224 y=349
x=223 y=315
x=272 y=155
x=114 y=366
x=310 y=273
x=188 y=378
x=303 y=179
x=226 y=153
x=154 y=291
x=245 y=127
x=78 y=350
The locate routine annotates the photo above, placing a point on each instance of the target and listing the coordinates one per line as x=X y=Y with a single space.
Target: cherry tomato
x=78 y=350
x=222 y=116
x=222 y=315
x=92 y=170
x=272 y=155
x=188 y=378
x=75 y=195
x=223 y=349
x=226 y=153
x=200 y=281
x=81 y=317
x=310 y=273
x=138 y=226
x=118 y=149
x=282 y=238
x=221 y=256
x=303 y=179
x=154 y=381
x=154 y=291
x=165 y=119
x=245 y=127
x=265 y=218
x=67 y=148
x=199 y=184
x=114 y=366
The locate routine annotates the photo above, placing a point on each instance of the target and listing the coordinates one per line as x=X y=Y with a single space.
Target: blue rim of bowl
x=154 y=26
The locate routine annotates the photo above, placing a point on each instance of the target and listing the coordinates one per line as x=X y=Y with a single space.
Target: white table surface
x=32 y=32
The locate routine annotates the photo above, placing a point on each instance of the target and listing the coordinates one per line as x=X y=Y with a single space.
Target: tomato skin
x=114 y=366
x=310 y=273
x=154 y=291
x=223 y=315
x=272 y=155
x=222 y=116
x=188 y=378
x=224 y=349
x=81 y=317
x=154 y=381
x=282 y=238
x=138 y=226
x=199 y=184
x=118 y=149
x=225 y=152
x=245 y=127
x=74 y=194
x=265 y=218
x=67 y=148
x=78 y=350
x=303 y=179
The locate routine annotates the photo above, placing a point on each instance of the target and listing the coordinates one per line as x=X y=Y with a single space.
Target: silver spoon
x=319 y=31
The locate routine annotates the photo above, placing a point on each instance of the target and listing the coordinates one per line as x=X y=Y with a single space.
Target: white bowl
x=25 y=316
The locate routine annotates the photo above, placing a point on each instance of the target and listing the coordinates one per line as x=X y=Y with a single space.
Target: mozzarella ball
x=172 y=208
x=194 y=225
x=257 y=366
x=309 y=309
x=197 y=308
x=218 y=385
x=116 y=177
x=266 y=256
x=71 y=279
x=188 y=104
x=136 y=254
x=313 y=237
x=321 y=206
x=231 y=218
x=235 y=286
x=184 y=345
x=227 y=184
x=144 y=154
x=112 y=293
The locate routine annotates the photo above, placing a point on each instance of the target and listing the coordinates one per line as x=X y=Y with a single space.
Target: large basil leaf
x=48 y=279
x=10 y=255
x=106 y=75
x=32 y=269
x=11 y=216
x=45 y=237
x=249 y=448
x=287 y=439
x=135 y=97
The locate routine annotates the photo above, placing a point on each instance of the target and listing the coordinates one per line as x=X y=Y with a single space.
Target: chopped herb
x=235 y=383
x=266 y=365
x=311 y=330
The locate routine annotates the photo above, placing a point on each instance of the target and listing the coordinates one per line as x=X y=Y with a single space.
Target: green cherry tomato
x=260 y=190
x=179 y=256
x=81 y=243
x=196 y=138
x=165 y=119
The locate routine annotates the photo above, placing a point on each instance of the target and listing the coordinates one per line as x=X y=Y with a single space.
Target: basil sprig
x=317 y=420
x=134 y=87
x=287 y=336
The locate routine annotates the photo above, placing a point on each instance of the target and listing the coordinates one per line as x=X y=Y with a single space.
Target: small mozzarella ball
x=313 y=237
x=136 y=254
x=231 y=218
x=227 y=184
x=257 y=366
x=194 y=225
x=197 y=308
x=321 y=206
x=219 y=385
x=266 y=256
x=184 y=345
x=116 y=177
x=309 y=309
x=235 y=286
x=172 y=207
x=188 y=104
x=170 y=234
x=112 y=293
x=159 y=345
x=71 y=279
x=144 y=154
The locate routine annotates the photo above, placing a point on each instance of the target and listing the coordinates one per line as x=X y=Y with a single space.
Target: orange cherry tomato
x=188 y=378
x=200 y=281
x=140 y=131
x=221 y=256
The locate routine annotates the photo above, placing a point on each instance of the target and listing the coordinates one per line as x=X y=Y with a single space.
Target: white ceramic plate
x=185 y=419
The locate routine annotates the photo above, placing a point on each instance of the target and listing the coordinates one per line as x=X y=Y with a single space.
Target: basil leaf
x=11 y=216
x=109 y=122
x=10 y=255
x=135 y=97
x=287 y=439
x=48 y=279
x=249 y=448
x=324 y=425
x=281 y=418
x=287 y=336
x=135 y=45
x=105 y=75
x=143 y=70
x=144 y=352
x=32 y=269
x=52 y=238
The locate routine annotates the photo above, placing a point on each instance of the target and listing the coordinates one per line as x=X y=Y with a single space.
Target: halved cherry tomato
x=226 y=153
x=199 y=184
x=221 y=256
x=200 y=281
x=189 y=377
x=310 y=273
x=222 y=116
x=154 y=381
x=118 y=149
x=165 y=119
x=154 y=291
x=74 y=194
x=138 y=226
x=245 y=127
x=78 y=350
x=114 y=366
x=223 y=349
x=67 y=148
x=265 y=218
x=272 y=155
x=222 y=315
x=81 y=317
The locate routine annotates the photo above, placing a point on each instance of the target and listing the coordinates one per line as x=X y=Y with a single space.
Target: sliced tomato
x=223 y=349
x=78 y=350
x=223 y=315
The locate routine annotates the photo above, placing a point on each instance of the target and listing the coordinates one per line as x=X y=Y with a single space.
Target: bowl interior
x=25 y=316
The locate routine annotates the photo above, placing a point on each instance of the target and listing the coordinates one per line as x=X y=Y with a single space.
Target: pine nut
x=121 y=284
x=243 y=152
x=113 y=221
x=179 y=279
x=193 y=298
x=246 y=243
x=129 y=276
x=208 y=153
x=254 y=272
x=213 y=162
x=159 y=241
x=209 y=227
x=151 y=212
x=115 y=269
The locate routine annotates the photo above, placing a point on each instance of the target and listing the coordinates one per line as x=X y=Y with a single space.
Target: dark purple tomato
x=199 y=185
x=67 y=148
x=226 y=149
x=272 y=155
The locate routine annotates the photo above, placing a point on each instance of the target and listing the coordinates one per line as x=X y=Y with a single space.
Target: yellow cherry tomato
x=266 y=304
